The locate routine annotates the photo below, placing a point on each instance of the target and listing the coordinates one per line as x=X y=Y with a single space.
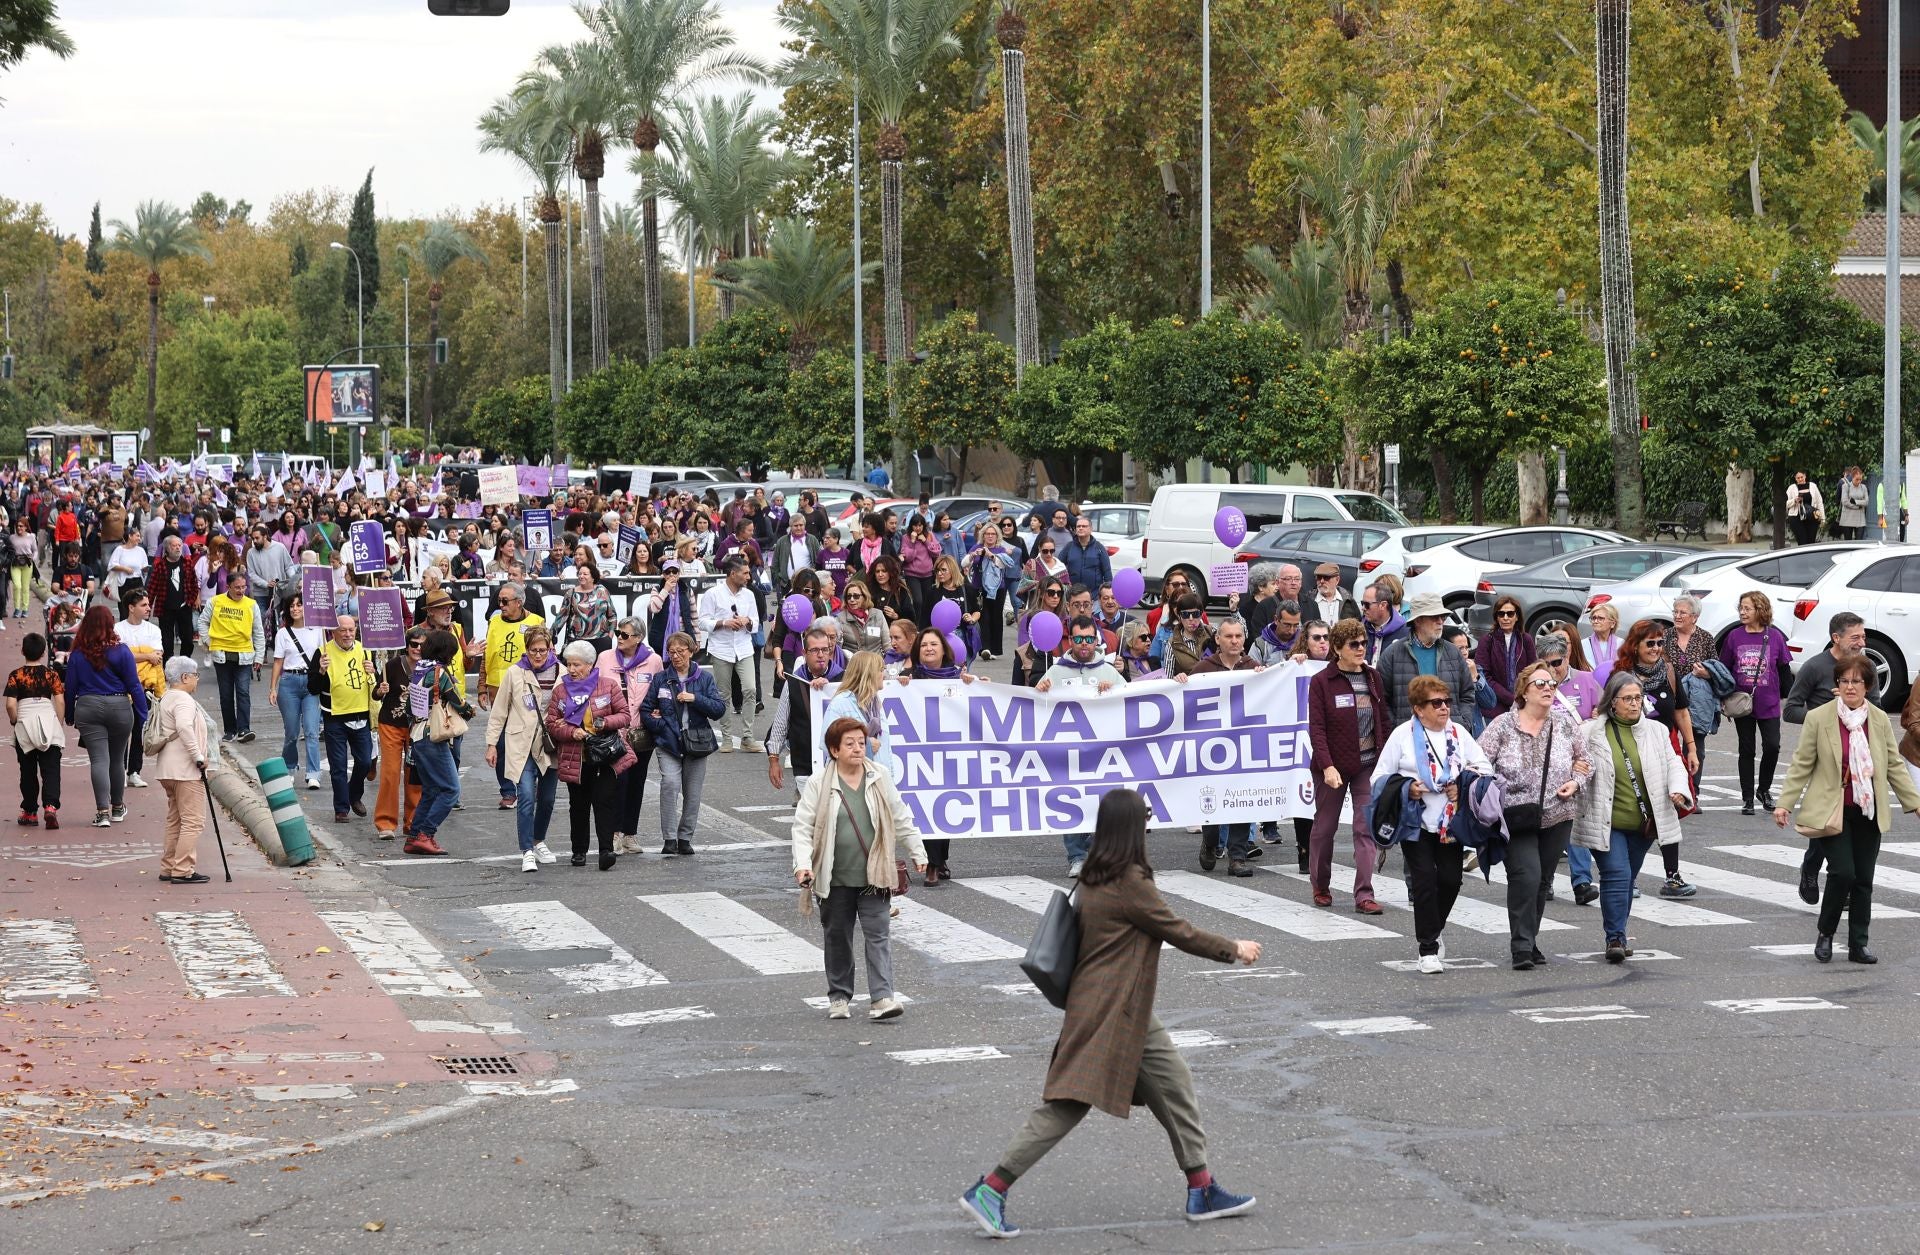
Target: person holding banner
x=631 y=665
x=1229 y=654
x=238 y=641
x=681 y=704
x=1082 y=670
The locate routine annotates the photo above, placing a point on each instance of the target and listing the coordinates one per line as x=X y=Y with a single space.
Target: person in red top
x=66 y=525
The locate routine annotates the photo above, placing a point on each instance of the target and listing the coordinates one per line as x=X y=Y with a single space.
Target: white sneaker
x=752 y=746
x=1073 y=869
x=528 y=862
x=839 y=1009
x=133 y=778
x=1431 y=965
x=1470 y=861
x=313 y=780
x=1443 y=947
x=726 y=746
x=885 y=1009
x=541 y=852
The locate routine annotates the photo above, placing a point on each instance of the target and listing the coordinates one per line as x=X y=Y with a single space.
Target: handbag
x=603 y=748
x=698 y=740
x=444 y=723
x=1055 y=948
x=1829 y=829
x=901 y=881
x=1524 y=818
x=1737 y=704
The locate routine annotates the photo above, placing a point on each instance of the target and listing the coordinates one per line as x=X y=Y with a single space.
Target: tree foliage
x=515 y=420
x=1066 y=410
x=208 y=366
x=958 y=392
x=816 y=428
x=362 y=284
x=273 y=413
x=716 y=402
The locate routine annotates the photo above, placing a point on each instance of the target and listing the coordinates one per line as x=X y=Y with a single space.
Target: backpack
x=154 y=736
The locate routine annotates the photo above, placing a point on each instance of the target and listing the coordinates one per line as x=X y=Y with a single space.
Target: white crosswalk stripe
x=739 y=931
x=554 y=926
x=43 y=958
x=400 y=960
x=1884 y=877
x=945 y=939
x=220 y=956
x=1647 y=907
x=1763 y=1006
x=1371 y=1025
x=1305 y=922
x=1772 y=892
x=1472 y=914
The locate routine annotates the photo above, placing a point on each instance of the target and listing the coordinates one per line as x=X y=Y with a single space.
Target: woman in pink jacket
x=631 y=665
x=918 y=552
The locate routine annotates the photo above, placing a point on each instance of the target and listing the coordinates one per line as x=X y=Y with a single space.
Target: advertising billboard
x=343 y=394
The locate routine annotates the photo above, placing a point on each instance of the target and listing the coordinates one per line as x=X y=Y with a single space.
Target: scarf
x=935 y=673
x=1858 y=782
x=892 y=656
x=1272 y=638
x=526 y=664
x=1436 y=771
x=640 y=654
x=870 y=551
x=1393 y=624
x=573 y=698
x=1604 y=653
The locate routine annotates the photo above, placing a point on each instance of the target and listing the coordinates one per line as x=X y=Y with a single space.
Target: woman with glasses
x=1162 y=618
x=1644 y=655
x=1539 y=754
x=515 y=746
x=1316 y=641
x=1629 y=801
x=950 y=585
x=1756 y=654
x=1046 y=563
x=394 y=723
x=1602 y=644
x=1485 y=704
x=933 y=660
x=1431 y=751
x=1029 y=663
x=1136 y=643
x=1506 y=651
x=992 y=570
x=1192 y=639
x=1347 y=719
x=1579 y=691
x=862 y=628
x=1845 y=773
x=586 y=612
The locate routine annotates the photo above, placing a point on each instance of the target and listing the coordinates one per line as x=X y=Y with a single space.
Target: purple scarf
x=573 y=698
x=640 y=655
x=935 y=673
x=891 y=656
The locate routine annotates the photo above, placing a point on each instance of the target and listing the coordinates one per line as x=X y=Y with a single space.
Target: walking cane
x=213 y=813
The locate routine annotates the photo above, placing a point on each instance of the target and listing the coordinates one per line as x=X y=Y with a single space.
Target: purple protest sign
x=382 y=624
x=562 y=477
x=367 y=544
x=316 y=595
x=466 y=510
x=534 y=481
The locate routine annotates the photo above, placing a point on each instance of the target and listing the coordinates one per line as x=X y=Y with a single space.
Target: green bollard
x=287 y=816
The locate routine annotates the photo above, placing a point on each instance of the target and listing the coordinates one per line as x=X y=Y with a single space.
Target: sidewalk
x=179 y=1002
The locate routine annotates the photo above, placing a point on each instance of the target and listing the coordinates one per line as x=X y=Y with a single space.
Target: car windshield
x=1369 y=509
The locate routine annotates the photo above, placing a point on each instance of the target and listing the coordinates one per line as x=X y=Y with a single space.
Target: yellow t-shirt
x=350 y=679
x=231 y=627
x=505 y=643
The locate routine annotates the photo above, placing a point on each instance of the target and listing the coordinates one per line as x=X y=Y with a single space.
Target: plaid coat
x=1110 y=1002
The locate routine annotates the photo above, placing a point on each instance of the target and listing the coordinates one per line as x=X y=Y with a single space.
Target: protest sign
x=1227 y=577
x=537 y=526
x=367 y=546
x=499 y=485
x=316 y=595
x=382 y=622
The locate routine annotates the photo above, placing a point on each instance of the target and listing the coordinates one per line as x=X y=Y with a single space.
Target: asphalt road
x=698 y=1102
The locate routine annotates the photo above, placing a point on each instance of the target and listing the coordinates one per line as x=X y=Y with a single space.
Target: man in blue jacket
x=1086 y=558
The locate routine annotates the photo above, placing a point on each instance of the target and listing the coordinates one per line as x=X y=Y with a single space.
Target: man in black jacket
x=792 y=728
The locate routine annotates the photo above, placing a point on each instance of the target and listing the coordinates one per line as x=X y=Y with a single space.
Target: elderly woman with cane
x=180 y=767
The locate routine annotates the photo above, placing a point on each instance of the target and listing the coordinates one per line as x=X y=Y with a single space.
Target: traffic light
x=6 y=365
x=440 y=351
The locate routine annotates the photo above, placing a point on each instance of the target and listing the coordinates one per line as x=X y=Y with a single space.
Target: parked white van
x=1180 y=523
x=618 y=477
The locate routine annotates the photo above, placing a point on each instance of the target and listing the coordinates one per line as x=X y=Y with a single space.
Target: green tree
x=96 y=260
x=958 y=392
x=715 y=403
x=363 y=237
x=160 y=234
x=208 y=366
x=1068 y=409
x=805 y=280
x=516 y=420
x=1496 y=370
x=597 y=413
x=884 y=49
x=439 y=249
x=1873 y=142
x=26 y=25
x=1305 y=293
x=816 y=427
x=273 y=413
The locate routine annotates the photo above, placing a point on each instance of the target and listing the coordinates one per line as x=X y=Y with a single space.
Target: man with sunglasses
x=1382 y=619
x=1083 y=670
x=1331 y=602
x=1422 y=652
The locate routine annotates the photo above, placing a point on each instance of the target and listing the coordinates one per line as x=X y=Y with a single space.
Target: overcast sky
x=249 y=99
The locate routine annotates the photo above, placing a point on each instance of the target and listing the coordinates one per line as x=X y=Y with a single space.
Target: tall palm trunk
x=556 y=350
x=1011 y=29
x=1611 y=21
x=720 y=259
x=153 y=341
x=434 y=293
x=592 y=164
x=892 y=149
x=646 y=138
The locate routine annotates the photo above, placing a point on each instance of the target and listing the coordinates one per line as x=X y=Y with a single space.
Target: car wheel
x=1889 y=670
x=1551 y=619
x=1458 y=607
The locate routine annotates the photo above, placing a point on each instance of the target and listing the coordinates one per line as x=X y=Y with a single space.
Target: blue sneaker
x=988 y=1207
x=1214 y=1202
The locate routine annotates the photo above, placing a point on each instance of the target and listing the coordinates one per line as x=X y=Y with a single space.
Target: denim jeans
x=299 y=715
x=344 y=742
x=236 y=695
x=1580 y=864
x=533 y=805
x=1077 y=843
x=1619 y=866
x=439 y=784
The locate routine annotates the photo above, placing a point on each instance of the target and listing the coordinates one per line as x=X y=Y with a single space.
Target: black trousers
x=1433 y=882
x=993 y=623
x=629 y=791
x=1530 y=866
x=176 y=631
x=40 y=778
x=591 y=802
x=1852 y=854
x=1769 y=730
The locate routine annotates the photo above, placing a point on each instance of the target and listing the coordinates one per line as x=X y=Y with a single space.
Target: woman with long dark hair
x=1112 y=1048
x=105 y=701
x=433 y=759
x=932 y=659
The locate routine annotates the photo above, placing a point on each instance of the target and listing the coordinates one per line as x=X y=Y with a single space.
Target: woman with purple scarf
x=933 y=660
x=632 y=665
x=586 y=702
x=670 y=608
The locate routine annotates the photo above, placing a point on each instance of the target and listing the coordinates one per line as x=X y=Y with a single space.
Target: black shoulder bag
x=1055 y=949
x=1523 y=818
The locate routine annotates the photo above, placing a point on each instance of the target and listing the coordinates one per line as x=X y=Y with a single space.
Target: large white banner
x=990 y=760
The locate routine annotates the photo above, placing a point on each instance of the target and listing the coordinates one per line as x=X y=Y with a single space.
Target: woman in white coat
x=1629 y=801
x=846 y=830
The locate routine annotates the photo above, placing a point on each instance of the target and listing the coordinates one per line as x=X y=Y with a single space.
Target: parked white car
x=1123 y=530
x=1783 y=575
x=1453 y=568
x=1180 y=521
x=1881 y=584
x=1399 y=551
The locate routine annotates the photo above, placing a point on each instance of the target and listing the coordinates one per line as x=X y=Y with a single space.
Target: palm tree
x=578 y=85
x=622 y=222
x=521 y=126
x=659 y=50
x=1011 y=30
x=1303 y=292
x=725 y=173
x=1616 y=262
x=1873 y=140
x=160 y=233
x=438 y=250
x=881 y=50
x=31 y=26
x=800 y=277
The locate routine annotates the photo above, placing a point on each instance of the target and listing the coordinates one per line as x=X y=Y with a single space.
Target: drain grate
x=478 y=1065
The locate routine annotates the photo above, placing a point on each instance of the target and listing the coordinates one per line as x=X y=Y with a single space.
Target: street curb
x=238 y=789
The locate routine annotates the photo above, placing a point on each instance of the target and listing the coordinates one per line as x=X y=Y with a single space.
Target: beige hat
x=1426 y=606
x=1326 y=568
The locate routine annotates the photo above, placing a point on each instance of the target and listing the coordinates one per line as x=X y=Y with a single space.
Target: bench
x=1692 y=521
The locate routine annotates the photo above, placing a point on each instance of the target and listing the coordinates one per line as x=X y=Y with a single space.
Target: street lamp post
x=859 y=467
x=1206 y=157
x=406 y=338
x=360 y=296
x=1892 y=467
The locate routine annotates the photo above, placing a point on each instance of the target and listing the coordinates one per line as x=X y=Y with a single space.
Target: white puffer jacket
x=1663 y=775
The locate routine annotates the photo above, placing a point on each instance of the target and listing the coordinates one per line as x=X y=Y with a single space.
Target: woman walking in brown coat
x=1112 y=1050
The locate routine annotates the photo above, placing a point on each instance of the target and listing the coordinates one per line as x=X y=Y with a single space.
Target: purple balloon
x=1129 y=586
x=946 y=615
x=797 y=612
x=958 y=646
x=1044 y=630
x=1230 y=526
